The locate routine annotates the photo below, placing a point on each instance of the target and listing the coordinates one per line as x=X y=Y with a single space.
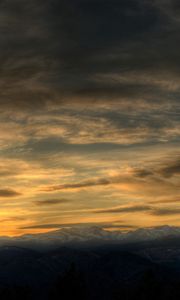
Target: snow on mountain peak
x=82 y=234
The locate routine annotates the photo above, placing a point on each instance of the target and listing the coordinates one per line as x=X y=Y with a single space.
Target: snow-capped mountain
x=73 y=234
x=153 y=233
x=78 y=234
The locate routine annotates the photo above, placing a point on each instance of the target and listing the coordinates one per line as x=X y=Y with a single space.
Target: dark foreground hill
x=136 y=270
x=99 y=273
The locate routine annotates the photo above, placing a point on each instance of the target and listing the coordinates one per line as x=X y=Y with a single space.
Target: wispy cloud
x=171 y=169
x=49 y=202
x=167 y=211
x=153 y=210
x=83 y=184
x=128 y=209
x=9 y=193
x=90 y=224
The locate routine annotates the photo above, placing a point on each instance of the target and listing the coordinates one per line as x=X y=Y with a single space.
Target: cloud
x=128 y=209
x=14 y=219
x=83 y=184
x=49 y=202
x=122 y=77
x=167 y=211
x=55 y=51
x=83 y=224
x=139 y=180
x=142 y=173
x=167 y=168
x=9 y=193
x=48 y=132
x=171 y=169
x=170 y=200
x=152 y=210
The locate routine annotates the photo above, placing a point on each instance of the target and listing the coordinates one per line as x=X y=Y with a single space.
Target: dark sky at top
x=79 y=49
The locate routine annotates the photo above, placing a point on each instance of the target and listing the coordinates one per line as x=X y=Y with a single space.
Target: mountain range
x=92 y=235
x=91 y=263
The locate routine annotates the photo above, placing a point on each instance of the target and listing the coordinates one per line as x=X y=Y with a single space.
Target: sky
x=89 y=114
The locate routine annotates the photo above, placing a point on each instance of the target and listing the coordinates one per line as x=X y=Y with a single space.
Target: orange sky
x=124 y=181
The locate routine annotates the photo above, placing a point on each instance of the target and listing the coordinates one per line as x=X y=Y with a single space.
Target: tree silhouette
x=15 y=292
x=70 y=286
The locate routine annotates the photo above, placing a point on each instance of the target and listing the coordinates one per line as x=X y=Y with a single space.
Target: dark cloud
x=98 y=224
x=142 y=173
x=7 y=173
x=9 y=193
x=166 y=211
x=84 y=184
x=49 y=202
x=171 y=169
x=118 y=226
x=53 y=50
x=128 y=209
x=167 y=170
x=171 y=200
x=156 y=211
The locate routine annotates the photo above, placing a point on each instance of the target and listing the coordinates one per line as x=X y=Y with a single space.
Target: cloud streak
x=49 y=202
x=82 y=225
x=128 y=209
x=8 y=193
x=84 y=184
